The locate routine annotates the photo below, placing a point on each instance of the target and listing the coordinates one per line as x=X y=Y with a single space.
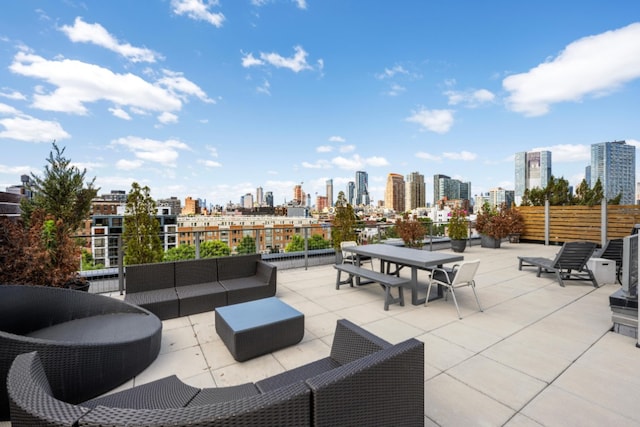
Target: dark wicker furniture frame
x=88 y=343
x=254 y=328
x=365 y=381
x=182 y=288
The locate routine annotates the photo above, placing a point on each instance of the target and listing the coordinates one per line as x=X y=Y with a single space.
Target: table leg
x=414 y=288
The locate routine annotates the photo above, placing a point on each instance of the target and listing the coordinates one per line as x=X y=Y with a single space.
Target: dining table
x=401 y=256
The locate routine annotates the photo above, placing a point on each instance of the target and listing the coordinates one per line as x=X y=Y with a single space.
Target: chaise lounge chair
x=570 y=262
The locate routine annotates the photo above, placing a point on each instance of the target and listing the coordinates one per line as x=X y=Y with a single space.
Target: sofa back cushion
x=235 y=267
x=196 y=271
x=148 y=277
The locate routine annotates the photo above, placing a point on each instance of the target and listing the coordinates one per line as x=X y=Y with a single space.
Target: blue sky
x=214 y=99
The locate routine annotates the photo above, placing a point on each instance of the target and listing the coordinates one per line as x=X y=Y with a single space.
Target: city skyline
x=215 y=99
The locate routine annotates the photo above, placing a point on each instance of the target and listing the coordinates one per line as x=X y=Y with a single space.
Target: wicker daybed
x=87 y=343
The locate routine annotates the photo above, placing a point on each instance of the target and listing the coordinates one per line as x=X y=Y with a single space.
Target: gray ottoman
x=258 y=327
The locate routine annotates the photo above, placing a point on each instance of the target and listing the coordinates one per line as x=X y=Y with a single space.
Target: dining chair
x=350 y=257
x=460 y=275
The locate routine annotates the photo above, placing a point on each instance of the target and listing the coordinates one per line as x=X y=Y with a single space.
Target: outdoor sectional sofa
x=182 y=288
x=87 y=343
x=365 y=381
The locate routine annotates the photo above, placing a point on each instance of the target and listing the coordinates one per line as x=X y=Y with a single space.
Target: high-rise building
x=351 y=193
x=415 y=192
x=259 y=196
x=191 y=206
x=329 y=185
x=247 y=201
x=269 y=198
x=448 y=188
x=298 y=195
x=362 y=188
x=395 y=193
x=533 y=170
x=498 y=196
x=614 y=163
x=322 y=202
x=172 y=204
x=437 y=186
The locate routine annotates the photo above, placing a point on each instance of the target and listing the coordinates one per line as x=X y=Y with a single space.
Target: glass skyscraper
x=362 y=188
x=614 y=163
x=533 y=170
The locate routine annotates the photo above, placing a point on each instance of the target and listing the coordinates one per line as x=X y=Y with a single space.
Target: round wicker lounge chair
x=88 y=343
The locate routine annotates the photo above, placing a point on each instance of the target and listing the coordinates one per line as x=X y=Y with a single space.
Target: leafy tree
x=88 y=262
x=296 y=244
x=344 y=223
x=208 y=249
x=247 y=245
x=316 y=241
x=214 y=248
x=61 y=192
x=141 y=228
x=181 y=252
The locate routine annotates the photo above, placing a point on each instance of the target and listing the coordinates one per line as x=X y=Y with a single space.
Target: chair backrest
x=465 y=272
x=345 y=244
x=574 y=255
x=613 y=250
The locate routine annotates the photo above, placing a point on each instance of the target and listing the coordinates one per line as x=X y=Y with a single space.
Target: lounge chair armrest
x=351 y=342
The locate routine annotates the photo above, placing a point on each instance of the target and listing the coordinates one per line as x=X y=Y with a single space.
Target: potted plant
x=516 y=224
x=410 y=231
x=493 y=224
x=458 y=230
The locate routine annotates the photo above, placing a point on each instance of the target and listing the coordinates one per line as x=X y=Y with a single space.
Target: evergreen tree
x=344 y=223
x=141 y=228
x=60 y=193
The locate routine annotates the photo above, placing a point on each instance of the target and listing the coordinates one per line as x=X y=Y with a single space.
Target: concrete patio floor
x=539 y=355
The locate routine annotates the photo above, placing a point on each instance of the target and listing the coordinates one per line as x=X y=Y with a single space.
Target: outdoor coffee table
x=258 y=327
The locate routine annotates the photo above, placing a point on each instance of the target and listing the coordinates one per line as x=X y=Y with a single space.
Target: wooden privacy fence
x=566 y=223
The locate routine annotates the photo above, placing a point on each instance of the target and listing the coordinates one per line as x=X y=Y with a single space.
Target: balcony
x=539 y=354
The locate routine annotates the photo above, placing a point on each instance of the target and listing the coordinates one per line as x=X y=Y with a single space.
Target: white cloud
x=357 y=163
x=14 y=94
x=6 y=109
x=337 y=139
x=324 y=149
x=392 y=72
x=320 y=164
x=15 y=170
x=295 y=63
x=428 y=156
x=248 y=60
x=595 y=65
x=438 y=121
x=302 y=4
x=127 y=165
x=27 y=128
x=395 y=90
x=463 y=155
x=210 y=163
x=120 y=113
x=265 y=88
x=82 y=32
x=166 y=118
x=470 y=99
x=78 y=83
x=213 y=151
x=568 y=153
x=347 y=148
x=164 y=152
x=198 y=10
x=180 y=86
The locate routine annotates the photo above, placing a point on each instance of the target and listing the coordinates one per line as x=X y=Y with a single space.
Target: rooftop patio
x=539 y=354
